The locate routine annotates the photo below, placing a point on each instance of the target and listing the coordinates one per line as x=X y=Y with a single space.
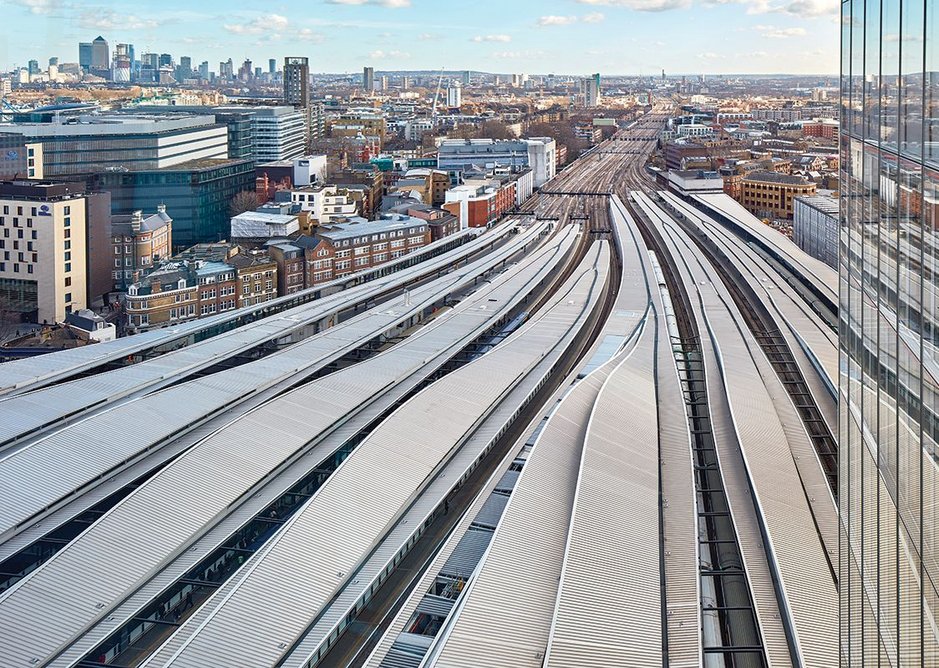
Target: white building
x=43 y=249
x=261 y=225
x=309 y=170
x=537 y=153
x=414 y=130
x=279 y=133
x=454 y=95
x=590 y=89
x=324 y=203
x=695 y=182
x=694 y=130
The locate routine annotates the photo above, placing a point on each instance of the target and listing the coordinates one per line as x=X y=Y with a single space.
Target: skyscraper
x=590 y=88
x=368 y=79
x=272 y=66
x=100 y=58
x=889 y=321
x=454 y=95
x=296 y=80
x=84 y=56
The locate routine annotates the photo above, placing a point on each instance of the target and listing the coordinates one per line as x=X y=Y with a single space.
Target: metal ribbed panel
x=263 y=609
x=612 y=557
x=63 y=364
x=512 y=609
x=94 y=446
x=205 y=480
x=464 y=559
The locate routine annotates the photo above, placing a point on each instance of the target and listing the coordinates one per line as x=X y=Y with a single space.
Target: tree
x=246 y=200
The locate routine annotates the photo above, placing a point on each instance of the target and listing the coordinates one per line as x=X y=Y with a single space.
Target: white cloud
x=307 y=35
x=427 y=37
x=593 y=17
x=640 y=5
x=557 y=20
x=378 y=54
x=109 y=20
x=390 y=4
x=811 y=8
x=780 y=33
x=41 y=6
x=515 y=55
x=492 y=38
x=266 y=24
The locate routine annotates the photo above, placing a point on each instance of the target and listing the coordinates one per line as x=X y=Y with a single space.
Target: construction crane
x=433 y=111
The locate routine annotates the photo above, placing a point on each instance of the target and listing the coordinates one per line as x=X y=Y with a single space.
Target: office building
x=889 y=399
x=454 y=96
x=278 y=133
x=368 y=79
x=19 y=159
x=123 y=141
x=590 y=89
x=537 y=153
x=199 y=192
x=100 y=58
x=324 y=203
x=85 y=56
x=815 y=227
x=42 y=250
x=771 y=195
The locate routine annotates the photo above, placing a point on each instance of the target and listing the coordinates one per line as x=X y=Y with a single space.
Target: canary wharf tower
x=889 y=294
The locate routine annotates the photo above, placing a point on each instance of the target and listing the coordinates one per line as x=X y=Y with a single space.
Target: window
x=68 y=297
x=68 y=279
x=68 y=267
x=117 y=262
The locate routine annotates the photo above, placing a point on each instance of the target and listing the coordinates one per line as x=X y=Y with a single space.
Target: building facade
x=771 y=195
x=139 y=243
x=42 y=250
x=537 y=153
x=123 y=142
x=815 y=228
x=889 y=338
x=200 y=192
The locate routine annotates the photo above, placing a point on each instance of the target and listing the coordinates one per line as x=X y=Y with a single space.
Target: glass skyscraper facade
x=889 y=267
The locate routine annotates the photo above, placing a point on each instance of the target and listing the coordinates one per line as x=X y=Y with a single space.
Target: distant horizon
x=579 y=36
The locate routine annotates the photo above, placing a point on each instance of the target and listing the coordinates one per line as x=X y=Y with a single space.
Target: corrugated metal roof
x=18 y=374
x=611 y=562
x=92 y=447
x=412 y=443
x=213 y=475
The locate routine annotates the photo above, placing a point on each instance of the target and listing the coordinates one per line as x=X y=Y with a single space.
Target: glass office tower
x=889 y=266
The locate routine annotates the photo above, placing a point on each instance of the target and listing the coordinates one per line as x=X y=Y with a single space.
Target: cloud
x=492 y=38
x=557 y=20
x=307 y=35
x=427 y=37
x=780 y=33
x=41 y=6
x=378 y=54
x=593 y=17
x=109 y=20
x=641 y=5
x=390 y=4
x=515 y=55
x=810 y=8
x=261 y=25
x=710 y=55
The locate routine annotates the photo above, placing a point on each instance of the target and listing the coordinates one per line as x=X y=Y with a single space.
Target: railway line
x=602 y=440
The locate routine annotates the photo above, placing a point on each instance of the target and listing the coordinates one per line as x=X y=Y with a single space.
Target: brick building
x=771 y=195
x=138 y=243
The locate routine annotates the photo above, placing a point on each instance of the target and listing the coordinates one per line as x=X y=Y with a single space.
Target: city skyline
x=625 y=37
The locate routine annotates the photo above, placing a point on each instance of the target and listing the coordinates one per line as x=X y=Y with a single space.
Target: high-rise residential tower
x=368 y=79
x=590 y=88
x=889 y=320
x=297 y=89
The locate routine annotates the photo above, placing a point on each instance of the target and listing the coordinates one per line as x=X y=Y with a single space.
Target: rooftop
x=773 y=177
x=821 y=203
x=357 y=226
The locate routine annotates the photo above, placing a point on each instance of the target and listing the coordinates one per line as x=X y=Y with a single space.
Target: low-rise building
x=815 y=227
x=179 y=291
x=343 y=248
x=260 y=225
x=256 y=275
x=537 y=153
x=695 y=182
x=139 y=243
x=291 y=267
x=480 y=204
x=324 y=203
x=771 y=195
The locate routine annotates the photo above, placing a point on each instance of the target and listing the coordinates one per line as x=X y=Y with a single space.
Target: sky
x=524 y=36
